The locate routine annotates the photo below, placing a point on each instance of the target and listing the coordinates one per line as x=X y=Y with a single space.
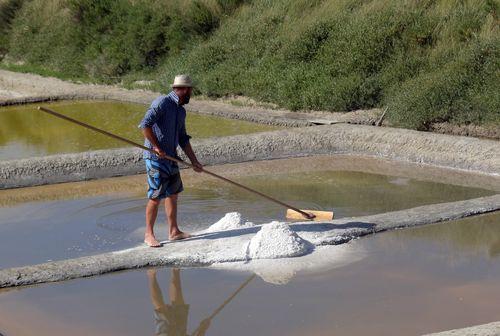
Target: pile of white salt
x=276 y=240
x=230 y=221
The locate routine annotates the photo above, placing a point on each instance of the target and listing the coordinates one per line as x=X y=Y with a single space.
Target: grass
x=427 y=61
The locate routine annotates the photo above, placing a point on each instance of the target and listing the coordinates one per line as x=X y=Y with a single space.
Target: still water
x=69 y=226
x=403 y=282
x=27 y=132
x=409 y=282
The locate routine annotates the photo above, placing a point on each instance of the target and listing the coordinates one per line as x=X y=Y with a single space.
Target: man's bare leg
x=154 y=289
x=171 y=211
x=151 y=214
x=175 y=289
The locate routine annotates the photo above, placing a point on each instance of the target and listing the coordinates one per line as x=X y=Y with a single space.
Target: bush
x=462 y=91
x=109 y=39
x=8 y=10
x=427 y=61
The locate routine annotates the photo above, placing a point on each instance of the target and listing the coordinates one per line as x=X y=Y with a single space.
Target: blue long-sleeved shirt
x=168 y=121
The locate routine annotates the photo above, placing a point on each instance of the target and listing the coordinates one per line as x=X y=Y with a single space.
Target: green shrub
x=107 y=39
x=464 y=90
x=428 y=61
x=201 y=19
x=8 y=9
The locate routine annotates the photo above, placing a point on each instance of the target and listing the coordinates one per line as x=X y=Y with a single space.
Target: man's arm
x=148 y=134
x=198 y=167
x=186 y=147
x=150 y=118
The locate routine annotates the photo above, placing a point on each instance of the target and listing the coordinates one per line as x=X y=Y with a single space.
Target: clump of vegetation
x=8 y=9
x=106 y=40
x=427 y=61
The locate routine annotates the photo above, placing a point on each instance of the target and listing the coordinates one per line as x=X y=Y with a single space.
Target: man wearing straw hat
x=164 y=129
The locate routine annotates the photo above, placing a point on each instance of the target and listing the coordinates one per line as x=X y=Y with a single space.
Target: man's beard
x=185 y=99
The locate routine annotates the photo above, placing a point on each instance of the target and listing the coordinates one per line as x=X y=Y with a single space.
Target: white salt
x=231 y=221
x=276 y=240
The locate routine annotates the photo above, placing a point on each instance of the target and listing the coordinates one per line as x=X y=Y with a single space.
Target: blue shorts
x=163 y=180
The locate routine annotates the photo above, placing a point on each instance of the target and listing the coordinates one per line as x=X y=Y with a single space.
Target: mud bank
x=309 y=164
x=471 y=154
x=228 y=246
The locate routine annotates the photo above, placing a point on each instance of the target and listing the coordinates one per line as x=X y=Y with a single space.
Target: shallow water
x=410 y=282
x=27 y=132
x=34 y=232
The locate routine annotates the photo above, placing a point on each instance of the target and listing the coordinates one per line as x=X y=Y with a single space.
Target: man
x=164 y=129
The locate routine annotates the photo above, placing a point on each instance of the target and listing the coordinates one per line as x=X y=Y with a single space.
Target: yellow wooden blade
x=320 y=215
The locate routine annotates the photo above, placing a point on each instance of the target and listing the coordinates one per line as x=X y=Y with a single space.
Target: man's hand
x=160 y=152
x=198 y=167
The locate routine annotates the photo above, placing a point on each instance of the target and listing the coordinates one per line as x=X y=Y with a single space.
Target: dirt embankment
x=471 y=154
x=465 y=153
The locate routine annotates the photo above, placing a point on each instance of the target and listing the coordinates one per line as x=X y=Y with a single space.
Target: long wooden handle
x=117 y=137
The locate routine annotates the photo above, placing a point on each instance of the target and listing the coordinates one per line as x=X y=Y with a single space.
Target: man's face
x=184 y=94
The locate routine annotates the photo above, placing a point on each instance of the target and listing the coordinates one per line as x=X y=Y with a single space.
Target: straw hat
x=182 y=81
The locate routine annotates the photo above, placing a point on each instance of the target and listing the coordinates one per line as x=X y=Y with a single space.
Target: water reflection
x=403 y=286
x=172 y=318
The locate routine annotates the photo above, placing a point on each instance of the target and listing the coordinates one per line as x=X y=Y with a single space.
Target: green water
x=27 y=132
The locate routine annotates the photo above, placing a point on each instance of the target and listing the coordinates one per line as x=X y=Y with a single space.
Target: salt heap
x=230 y=221
x=276 y=240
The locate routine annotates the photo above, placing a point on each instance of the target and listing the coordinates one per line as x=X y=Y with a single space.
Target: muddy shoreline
x=489 y=329
x=463 y=153
x=18 y=88
x=339 y=162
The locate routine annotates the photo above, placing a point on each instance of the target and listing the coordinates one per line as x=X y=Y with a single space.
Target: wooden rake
x=291 y=213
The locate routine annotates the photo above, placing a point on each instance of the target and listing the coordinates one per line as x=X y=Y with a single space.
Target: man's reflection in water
x=171 y=319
